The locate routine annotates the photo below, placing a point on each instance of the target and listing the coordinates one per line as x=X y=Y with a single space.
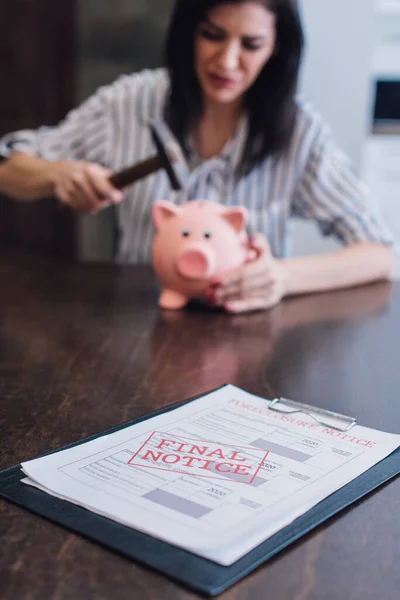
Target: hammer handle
x=123 y=178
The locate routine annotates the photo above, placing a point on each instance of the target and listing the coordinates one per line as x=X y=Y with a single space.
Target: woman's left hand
x=258 y=285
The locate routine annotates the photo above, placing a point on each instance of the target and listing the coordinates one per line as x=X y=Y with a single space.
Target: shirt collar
x=231 y=153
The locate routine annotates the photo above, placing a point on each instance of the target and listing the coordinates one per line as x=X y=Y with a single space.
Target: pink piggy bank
x=193 y=243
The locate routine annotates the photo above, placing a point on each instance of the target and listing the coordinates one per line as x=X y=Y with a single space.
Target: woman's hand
x=258 y=285
x=84 y=186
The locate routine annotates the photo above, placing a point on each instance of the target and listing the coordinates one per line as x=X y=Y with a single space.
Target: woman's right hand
x=84 y=186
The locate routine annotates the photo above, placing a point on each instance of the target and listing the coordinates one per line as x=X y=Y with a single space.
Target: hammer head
x=170 y=154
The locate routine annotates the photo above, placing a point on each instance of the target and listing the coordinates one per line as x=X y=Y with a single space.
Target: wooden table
x=84 y=347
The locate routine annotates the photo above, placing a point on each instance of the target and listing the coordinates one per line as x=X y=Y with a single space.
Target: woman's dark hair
x=270 y=101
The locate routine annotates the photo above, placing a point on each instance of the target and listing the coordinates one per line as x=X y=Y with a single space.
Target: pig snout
x=196 y=262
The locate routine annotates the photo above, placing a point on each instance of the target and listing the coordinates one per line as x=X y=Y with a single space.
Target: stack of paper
x=217 y=476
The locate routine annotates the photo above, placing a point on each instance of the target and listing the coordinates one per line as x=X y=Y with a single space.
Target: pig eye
x=207 y=235
x=186 y=233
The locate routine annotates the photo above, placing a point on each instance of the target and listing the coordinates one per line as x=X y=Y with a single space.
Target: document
x=217 y=476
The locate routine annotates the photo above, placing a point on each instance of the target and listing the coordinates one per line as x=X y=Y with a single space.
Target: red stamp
x=202 y=458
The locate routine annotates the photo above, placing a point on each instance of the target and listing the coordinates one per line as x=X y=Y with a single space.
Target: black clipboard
x=194 y=572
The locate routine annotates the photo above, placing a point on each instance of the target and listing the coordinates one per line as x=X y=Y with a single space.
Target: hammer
x=169 y=157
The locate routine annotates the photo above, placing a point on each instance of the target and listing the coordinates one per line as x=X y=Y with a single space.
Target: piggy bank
x=193 y=243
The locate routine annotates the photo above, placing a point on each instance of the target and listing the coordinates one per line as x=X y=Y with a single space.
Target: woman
x=229 y=96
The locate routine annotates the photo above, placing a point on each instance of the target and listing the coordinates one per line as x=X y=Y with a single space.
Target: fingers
x=235 y=281
x=242 y=287
x=257 y=285
x=99 y=180
x=85 y=187
x=247 y=305
x=264 y=301
x=245 y=281
x=70 y=195
x=259 y=243
x=85 y=192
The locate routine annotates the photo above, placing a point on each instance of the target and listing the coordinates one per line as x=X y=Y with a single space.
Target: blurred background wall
x=335 y=78
x=38 y=60
x=117 y=37
x=352 y=75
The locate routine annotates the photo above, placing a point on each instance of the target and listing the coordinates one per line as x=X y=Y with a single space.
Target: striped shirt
x=312 y=179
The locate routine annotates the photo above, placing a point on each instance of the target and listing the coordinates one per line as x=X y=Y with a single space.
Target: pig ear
x=162 y=211
x=236 y=217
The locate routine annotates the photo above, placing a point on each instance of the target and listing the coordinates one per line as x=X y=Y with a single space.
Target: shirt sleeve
x=96 y=128
x=330 y=193
x=84 y=134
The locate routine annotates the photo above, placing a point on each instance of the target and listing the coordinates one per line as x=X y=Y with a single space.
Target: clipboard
x=196 y=573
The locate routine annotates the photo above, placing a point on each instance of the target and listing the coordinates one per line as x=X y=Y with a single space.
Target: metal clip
x=346 y=422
